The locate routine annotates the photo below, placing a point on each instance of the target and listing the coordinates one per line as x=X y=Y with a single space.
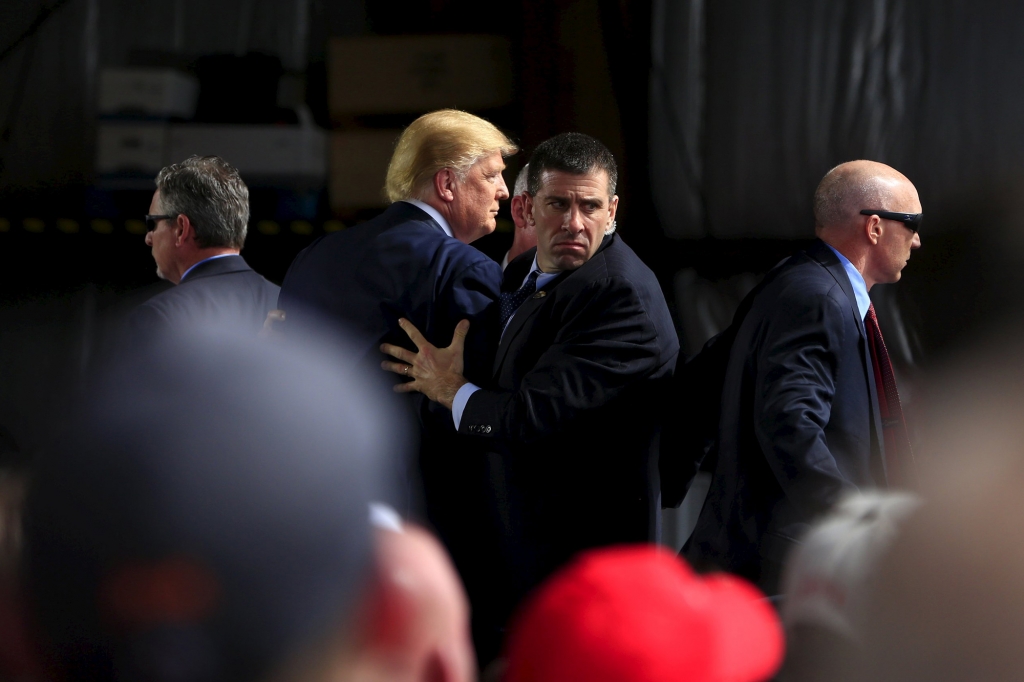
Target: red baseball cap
x=640 y=614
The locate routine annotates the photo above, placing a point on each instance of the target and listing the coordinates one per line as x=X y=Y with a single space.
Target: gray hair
x=521 y=180
x=210 y=192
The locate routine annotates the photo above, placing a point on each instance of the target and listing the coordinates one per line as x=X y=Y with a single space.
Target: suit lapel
x=530 y=307
x=824 y=255
x=522 y=315
x=517 y=270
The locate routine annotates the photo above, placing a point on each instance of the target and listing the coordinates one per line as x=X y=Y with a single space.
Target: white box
x=262 y=151
x=163 y=93
x=130 y=148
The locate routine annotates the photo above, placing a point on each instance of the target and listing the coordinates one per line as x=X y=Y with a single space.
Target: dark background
x=723 y=116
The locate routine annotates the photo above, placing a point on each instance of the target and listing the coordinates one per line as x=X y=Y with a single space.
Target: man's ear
x=873 y=229
x=517 y=206
x=528 y=210
x=613 y=206
x=184 y=230
x=444 y=184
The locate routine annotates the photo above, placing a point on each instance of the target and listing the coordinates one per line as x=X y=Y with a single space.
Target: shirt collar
x=220 y=255
x=433 y=213
x=543 y=278
x=860 y=288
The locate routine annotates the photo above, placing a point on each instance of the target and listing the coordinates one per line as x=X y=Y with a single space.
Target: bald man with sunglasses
x=809 y=405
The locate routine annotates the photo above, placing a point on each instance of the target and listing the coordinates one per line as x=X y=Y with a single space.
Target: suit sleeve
x=605 y=344
x=472 y=294
x=793 y=398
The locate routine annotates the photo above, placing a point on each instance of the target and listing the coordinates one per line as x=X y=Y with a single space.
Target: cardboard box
x=160 y=93
x=270 y=153
x=359 y=165
x=401 y=74
x=131 y=148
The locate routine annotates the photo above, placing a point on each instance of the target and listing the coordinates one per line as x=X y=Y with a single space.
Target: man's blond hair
x=441 y=139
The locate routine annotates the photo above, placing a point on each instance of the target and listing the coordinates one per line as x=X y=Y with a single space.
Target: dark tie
x=899 y=457
x=510 y=301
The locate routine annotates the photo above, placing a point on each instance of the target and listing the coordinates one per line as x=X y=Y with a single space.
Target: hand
x=273 y=317
x=435 y=372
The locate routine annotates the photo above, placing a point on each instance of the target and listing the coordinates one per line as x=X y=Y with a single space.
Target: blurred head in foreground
x=205 y=518
x=949 y=599
x=826 y=584
x=639 y=614
x=412 y=624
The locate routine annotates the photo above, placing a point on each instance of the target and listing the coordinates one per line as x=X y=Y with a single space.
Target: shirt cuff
x=459 y=403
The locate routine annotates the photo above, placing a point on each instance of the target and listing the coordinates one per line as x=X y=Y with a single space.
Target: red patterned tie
x=899 y=457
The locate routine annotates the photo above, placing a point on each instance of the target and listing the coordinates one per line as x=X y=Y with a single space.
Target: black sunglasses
x=911 y=220
x=152 y=220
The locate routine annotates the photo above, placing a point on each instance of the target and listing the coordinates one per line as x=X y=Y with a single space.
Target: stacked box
x=418 y=74
x=141 y=131
x=262 y=154
x=151 y=93
x=402 y=75
x=358 y=164
x=134 y=148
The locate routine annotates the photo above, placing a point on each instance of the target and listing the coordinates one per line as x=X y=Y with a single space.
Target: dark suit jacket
x=570 y=419
x=799 y=418
x=402 y=264
x=222 y=292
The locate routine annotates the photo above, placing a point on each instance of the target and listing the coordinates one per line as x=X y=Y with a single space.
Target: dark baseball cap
x=205 y=516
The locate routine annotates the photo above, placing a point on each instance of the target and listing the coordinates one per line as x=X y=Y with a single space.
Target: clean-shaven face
x=571 y=214
x=898 y=240
x=474 y=208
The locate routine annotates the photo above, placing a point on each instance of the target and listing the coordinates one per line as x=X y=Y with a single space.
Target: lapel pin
x=540 y=294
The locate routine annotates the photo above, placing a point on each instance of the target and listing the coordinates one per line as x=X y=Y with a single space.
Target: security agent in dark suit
x=800 y=417
x=568 y=420
x=196 y=229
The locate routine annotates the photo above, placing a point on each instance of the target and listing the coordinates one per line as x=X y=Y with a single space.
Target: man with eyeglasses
x=196 y=229
x=809 y=406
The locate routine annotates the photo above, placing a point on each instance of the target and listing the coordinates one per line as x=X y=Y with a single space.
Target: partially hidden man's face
x=474 y=208
x=161 y=240
x=571 y=214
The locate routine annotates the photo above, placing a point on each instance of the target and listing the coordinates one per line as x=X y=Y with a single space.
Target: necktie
x=510 y=301
x=899 y=457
